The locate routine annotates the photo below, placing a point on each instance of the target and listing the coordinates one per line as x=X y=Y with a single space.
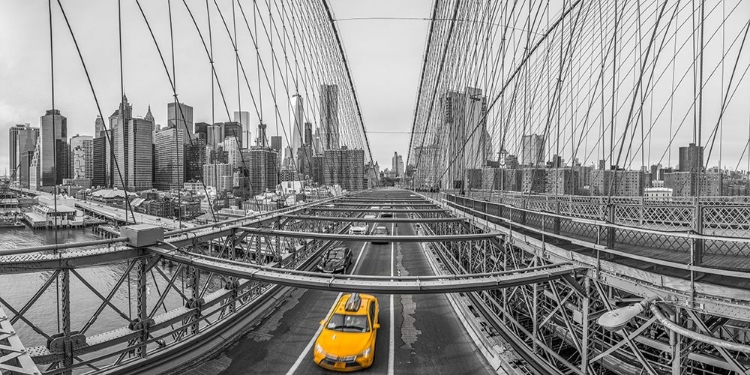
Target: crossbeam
x=373 y=284
x=377 y=220
x=394 y=210
x=371 y=238
x=420 y=204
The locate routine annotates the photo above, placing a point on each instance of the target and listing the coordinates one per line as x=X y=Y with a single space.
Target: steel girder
x=559 y=318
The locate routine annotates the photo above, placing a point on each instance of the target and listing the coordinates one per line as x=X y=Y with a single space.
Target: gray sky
x=385 y=58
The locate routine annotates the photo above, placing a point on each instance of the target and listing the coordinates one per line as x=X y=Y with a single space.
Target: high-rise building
x=170 y=148
x=262 y=140
x=329 y=117
x=53 y=161
x=195 y=158
x=140 y=154
x=180 y=115
x=99 y=128
x=99 y=154
x=691 y=158
x=685 y=184
x=344 y=167
x=219 y=176
x=532 y=150
x=118 y=123
x=397 y=165
x=276 y=143
x=298 y=126
x=619 y=182
x=133 y=154
x=82 y=148
x=243 y=119
x=233 y=129
x=308 y=133
x=22 y=142
x=261 y=167
x=149 y=116
x=234 y=155
x=468 y=141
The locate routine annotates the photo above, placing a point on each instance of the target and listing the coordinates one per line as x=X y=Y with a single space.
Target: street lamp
x=616 y=319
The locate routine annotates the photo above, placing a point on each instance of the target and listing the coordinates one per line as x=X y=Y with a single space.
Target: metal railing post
x=611 y=231
x=698 y=243
x=142 y=308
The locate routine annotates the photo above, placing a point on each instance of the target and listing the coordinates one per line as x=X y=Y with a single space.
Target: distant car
x=335 y=260
x=375 y=207
x=358 y=228
x=370 y=216
x=380 y=231
x=330 y=205
x=386 y=214
x=347 y=340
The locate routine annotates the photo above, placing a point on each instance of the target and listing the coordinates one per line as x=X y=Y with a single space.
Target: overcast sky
x=385 y=57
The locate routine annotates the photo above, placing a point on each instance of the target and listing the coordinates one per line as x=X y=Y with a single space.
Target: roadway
x=118 y=214
x=420 y=334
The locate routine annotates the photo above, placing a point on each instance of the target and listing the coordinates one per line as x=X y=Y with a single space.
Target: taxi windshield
x=348 y=323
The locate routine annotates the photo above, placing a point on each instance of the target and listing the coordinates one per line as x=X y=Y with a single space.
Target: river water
x=17 y=289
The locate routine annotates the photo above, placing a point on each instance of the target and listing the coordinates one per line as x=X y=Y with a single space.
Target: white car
x=370 y=216
x=358 y=228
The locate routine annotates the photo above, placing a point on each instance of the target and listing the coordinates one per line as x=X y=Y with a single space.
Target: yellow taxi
x=347 y=341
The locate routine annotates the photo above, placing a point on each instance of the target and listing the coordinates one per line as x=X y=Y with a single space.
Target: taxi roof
x=363 y=306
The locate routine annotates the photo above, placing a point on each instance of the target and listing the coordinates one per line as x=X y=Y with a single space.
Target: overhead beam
x=371 y=238
x=395 y=210
x=371 y=284
x=376 y=220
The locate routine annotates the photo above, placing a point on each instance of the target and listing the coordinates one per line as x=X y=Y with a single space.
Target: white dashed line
x=302 y=356
x=392 y=338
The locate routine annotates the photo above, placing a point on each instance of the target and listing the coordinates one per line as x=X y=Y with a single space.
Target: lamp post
x=616 y=319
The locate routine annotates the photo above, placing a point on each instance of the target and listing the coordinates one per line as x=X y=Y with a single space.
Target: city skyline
x=146 y=84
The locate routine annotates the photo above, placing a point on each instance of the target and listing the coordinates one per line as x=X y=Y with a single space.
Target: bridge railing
x=146 y=308
x=706 y=234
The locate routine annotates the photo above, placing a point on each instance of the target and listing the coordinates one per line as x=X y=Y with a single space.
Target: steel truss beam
x=372 y=284
x=353 y=237
x=377 y=220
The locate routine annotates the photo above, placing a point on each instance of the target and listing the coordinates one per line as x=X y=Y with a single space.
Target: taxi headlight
x=365 y=354
x=319 y=349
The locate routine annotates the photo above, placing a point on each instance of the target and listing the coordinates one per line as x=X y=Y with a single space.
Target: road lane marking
x=302 y=356
x=392 y=338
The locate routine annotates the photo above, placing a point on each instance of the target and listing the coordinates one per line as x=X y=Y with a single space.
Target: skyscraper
x=262 y=141
x=329 y=117
x=100 y=172
x=170 y=166
x=397 y=164
x=467 y=148
x=276 y=143
x=118 y=123
x=82 y=148
x=691 y=158
x=133 y=138
x=99 y=128
x=243 y=118
x=308 y=134
x=22 y=142
x=345 y=168
x=261 y=166
x=53 y=149
x=532 y=153
x=180 y=115
x=298 y=126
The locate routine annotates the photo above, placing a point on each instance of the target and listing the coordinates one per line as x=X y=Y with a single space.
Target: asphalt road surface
x=419 y=334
